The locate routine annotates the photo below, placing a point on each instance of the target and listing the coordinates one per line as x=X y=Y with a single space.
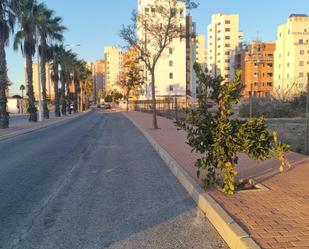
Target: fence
x=170 y=107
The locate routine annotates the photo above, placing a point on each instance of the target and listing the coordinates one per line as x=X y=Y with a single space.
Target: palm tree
x=56 y=53
x=25 y=38
x=7 y=20
x=22 y=88
x=48 y=27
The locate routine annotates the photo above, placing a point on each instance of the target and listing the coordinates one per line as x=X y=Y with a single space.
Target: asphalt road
x=94 y=183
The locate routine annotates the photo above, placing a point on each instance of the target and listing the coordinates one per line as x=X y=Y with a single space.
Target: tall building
x=171 y=70
x=292 y=56
x=201 y=50
x=257 y=66
x=113 y=58
x=99 y=71
x=223 y=40
x=49 y=83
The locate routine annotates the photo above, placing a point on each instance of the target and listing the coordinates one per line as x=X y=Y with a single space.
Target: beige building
x=49 y=83
x=201 y=50
x=223 y=40
x=113 y=60
x=171 y=71
x=292 y=56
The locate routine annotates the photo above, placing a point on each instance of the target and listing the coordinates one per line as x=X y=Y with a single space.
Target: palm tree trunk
x=63 y=99
x=69 y=100
x=76 y=89
x=43 y=79
x=4 y=116
x=154 y=102
x=31 y=109
x=56 y=91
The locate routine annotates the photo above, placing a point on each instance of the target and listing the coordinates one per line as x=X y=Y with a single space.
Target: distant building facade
x=171 y=72
x=99 y=73
x=257 y=66
x=201 y=50
x=223 y=40
x=292 y=56
x=113 y=67
x=49 y=82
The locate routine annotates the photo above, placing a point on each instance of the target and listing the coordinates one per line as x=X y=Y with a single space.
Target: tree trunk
x=127 y=103
x=154 y=102
x=31 y=109
x=43 y=78
x=69 y=100
x=76 y=89
x=56 y=91
x=4 y=115
x=63 y=99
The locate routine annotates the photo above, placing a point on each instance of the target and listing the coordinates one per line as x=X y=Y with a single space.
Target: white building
x=223 y=40
x=49 y=83
x=170 y=73
x=292 y=56
x=113 y=59
x=201 y=50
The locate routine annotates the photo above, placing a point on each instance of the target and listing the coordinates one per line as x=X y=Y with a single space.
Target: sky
x=96 y=23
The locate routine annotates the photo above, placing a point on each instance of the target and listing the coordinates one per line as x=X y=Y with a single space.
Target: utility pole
x=307 y=119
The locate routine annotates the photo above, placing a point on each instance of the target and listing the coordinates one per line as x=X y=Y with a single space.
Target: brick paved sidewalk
x=275 y=218
x=21 y=127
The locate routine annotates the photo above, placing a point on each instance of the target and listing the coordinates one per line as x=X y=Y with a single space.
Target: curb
x=40 y=127
x=230 y=231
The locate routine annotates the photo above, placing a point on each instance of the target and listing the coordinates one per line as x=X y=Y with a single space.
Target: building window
x=270 y=75
x=227 y=53
x=171 y=75
x=300 y=41
x=227 y=37
x=288 y=53
x=301 y=63
x=288 y=64
x=256 y=74
x=146 y=10
x=227 y=45
x=269 y=84
x=227 y=30
x=301 y=75
x=302 y=52
x=171 y=50
x=227 y=22
x=170 y=63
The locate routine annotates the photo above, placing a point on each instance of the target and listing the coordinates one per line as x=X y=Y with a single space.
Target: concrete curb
x=230 y=231
x=40 y=127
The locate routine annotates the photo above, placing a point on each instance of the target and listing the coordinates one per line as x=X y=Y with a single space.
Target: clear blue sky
x=95 y=23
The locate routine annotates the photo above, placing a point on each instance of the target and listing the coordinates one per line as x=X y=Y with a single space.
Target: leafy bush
x=219 y=137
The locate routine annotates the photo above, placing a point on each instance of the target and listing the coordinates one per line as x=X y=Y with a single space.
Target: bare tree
x=152 y=31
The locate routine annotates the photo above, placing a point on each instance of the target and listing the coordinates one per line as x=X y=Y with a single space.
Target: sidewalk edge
x=40 y=127
x=227 y=227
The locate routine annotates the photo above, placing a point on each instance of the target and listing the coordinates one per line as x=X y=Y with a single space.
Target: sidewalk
x=25 y=127
x=277 y=217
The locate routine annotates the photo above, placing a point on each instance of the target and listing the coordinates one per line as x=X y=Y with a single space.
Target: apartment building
x=257 y=66
x=201 y=50
x=292 y=56
x=113 y=67
x=49 y=82
x=99 y=72
x=171 y=72
x=223 y=39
